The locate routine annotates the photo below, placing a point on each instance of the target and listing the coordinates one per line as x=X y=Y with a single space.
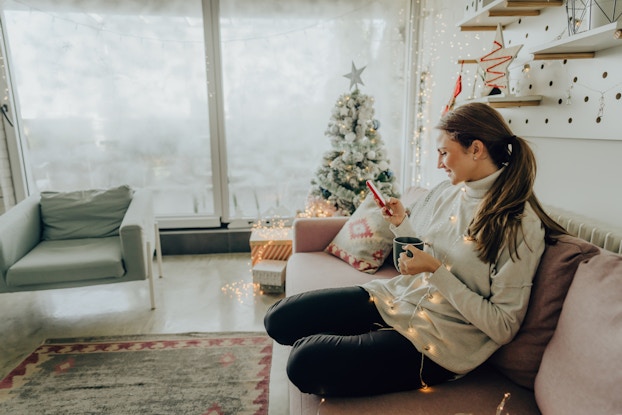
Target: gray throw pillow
x=94 y=213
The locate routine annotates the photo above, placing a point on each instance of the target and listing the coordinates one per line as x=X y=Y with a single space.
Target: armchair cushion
x=71 y=260
x=92 y=213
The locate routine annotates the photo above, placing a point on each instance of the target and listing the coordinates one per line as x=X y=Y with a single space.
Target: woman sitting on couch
x=457 y=301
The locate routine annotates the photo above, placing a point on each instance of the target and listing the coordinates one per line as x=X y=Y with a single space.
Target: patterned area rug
x=195 y=373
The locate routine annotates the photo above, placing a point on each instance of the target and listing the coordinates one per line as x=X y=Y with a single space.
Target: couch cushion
x=581 y=369
x=480 y=392
x=520 y=359
x=53 y=262
x=308 y=271
x=92 y=213
x=365 y=241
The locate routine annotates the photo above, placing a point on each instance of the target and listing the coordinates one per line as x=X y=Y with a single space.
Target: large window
x=114 y=94
x=136 y=92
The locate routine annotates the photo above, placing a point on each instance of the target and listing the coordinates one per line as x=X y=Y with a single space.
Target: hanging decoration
x=573 y=83
x=576 y=10
x=456 y=92
x=495 y=65
x=589 y=14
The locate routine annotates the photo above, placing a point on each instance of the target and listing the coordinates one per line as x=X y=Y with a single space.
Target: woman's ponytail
x=497 y=223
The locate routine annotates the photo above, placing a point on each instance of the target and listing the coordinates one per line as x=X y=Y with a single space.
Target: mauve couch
x=566 y=359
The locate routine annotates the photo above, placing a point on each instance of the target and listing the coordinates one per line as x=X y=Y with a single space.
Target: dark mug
x=399 y=246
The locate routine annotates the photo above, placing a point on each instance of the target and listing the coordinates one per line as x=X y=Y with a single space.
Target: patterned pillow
x=365 y=240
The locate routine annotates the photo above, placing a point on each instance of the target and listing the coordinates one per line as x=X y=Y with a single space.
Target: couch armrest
x=314 y=234
x=20 y=231
x=138 y=228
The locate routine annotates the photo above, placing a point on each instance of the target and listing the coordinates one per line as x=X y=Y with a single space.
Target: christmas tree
x=357 y=155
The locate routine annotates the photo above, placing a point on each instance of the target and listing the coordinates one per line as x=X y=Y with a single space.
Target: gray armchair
x=31 y=261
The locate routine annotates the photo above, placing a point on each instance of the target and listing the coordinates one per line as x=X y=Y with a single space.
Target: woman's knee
x=308 y=363
x=275 y=325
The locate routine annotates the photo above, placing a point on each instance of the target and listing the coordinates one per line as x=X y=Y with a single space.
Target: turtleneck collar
x=477 y=189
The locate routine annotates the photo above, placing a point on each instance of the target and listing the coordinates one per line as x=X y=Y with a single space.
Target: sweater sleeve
x=500 y=315
x=406 y=228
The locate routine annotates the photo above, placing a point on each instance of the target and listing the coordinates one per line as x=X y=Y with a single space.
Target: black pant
x=343 y=347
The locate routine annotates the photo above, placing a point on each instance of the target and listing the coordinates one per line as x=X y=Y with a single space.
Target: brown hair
x=497 y=223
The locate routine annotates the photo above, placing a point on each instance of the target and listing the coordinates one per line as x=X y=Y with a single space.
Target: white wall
x=583 y=176
x=579 y=159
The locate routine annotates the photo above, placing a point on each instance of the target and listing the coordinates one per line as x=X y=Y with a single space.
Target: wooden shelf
x=502 y=101
x=504 y=12
x=582 y=45
x=467 y=61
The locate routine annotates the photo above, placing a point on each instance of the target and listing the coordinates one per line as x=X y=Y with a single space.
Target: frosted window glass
x=283 y=67
x=116 y=92
x=113 y=93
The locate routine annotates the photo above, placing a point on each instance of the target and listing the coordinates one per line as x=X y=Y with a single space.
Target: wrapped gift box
x=275 y=244
x=270 y=275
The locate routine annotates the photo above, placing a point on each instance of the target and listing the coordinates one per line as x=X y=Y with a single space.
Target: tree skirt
x=196 y=373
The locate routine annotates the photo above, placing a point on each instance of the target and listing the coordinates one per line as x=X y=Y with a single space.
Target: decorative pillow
x=580 y=372
x=93 y=213
x=365 y=240
x=520 y=359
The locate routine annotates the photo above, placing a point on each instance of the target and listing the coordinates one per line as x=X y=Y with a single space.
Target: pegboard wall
x=581 y=98
x=575 y=132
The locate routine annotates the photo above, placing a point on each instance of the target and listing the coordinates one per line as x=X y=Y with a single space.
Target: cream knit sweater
x=459 y=315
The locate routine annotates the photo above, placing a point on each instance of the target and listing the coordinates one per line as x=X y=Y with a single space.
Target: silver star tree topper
x=355 y=76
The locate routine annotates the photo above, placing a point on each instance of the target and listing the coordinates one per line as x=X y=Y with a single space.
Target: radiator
x=598 y=233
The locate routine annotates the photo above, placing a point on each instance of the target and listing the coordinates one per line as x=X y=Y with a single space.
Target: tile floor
x=209 y=293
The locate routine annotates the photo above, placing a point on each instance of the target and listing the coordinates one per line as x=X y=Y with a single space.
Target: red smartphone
x=377 y=195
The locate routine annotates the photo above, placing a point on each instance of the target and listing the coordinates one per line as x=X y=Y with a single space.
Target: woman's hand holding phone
x=378 y=197
x=392 y=209
x=398 y=213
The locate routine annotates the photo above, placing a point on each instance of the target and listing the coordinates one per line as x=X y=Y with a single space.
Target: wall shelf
x=504 y=12
x=502 y=101
x=582 y=45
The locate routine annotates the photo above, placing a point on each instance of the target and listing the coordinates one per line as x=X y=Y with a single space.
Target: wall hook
x=5 y=111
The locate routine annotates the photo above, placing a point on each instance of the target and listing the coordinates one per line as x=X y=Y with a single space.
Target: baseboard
x=204 y=241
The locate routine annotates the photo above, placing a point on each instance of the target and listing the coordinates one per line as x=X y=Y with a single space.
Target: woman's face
x=455 y=160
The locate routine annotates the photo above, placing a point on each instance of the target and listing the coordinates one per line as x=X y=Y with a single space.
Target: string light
x=501 y=406
x=241 y=290
x=601 y=100
x=274 y=228
x=267 y=239
x=322 y=402
x=318 y=207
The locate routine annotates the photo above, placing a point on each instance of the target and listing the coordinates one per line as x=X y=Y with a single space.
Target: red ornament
x=457 y=91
